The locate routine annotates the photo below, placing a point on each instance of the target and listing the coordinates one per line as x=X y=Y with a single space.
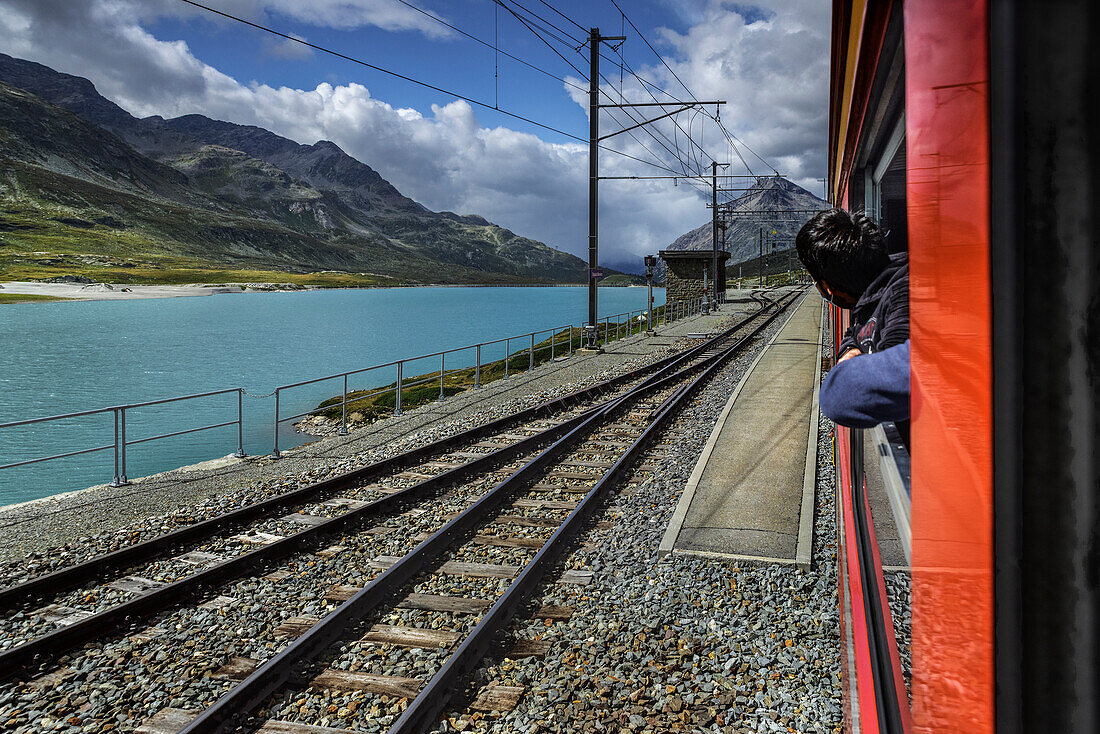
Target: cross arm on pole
x=660 y=104
x=646 y=122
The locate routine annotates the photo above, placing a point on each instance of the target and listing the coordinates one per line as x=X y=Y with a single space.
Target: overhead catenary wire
x=551 y=29
x=534 y=31
x=536 y=34
x=578 y=25
x=426 y=85
x=495 y=45
x=650 y=45
x=646 y=86
x=383 y=70
x=730 y=136
x=538 y=25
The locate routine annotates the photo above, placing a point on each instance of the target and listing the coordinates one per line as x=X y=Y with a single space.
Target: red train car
x=970 y=130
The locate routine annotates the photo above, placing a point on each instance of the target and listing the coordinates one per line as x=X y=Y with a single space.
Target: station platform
x=751 y=495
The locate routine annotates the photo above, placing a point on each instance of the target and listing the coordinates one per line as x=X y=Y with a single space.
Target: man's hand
x=848 y=355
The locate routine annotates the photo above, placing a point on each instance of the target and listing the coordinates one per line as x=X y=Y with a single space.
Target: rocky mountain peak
x=73 y=93
x=768 y=214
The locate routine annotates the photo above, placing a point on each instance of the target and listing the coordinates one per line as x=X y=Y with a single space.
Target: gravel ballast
x=681 y=644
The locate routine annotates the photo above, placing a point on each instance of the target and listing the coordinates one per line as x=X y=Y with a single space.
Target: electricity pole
x=593 y=181
x=594 y=139
x=722 y=224
x=760 y=241
x=714 y=229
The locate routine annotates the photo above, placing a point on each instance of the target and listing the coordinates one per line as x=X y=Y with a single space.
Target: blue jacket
x=864 y=391
x=880 y=319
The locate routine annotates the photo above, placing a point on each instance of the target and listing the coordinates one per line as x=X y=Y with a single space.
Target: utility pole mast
x=593 y=181
x=594 y=139
x=650 y=263
x=722 y=225
x=760 y=241
x=714 y=229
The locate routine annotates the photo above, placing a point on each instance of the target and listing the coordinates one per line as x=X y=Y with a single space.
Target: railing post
x=116 y=482
x=507 y=356
x=344 y=410
x=397 y=397
x=240 y=425
x=531 y=354
x=122 y=445
x=442 y=370
x=477 y=368
x=553 y=338
x=571 y=340
x=275 y=450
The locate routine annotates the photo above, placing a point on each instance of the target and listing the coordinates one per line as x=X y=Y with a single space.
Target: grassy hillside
x=77 y=199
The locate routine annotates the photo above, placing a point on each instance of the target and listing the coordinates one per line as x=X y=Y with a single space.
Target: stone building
x=684 y=274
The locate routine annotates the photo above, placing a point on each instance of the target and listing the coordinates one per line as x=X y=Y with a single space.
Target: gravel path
x=48 y=533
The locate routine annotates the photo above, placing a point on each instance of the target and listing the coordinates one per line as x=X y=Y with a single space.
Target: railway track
x=583 y=464
x=512 y=491
x=146 y=578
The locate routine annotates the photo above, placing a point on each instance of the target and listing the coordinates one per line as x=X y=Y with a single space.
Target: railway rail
x=618 y=430
x=631 y=420
x=556 y=453
x=376 y=492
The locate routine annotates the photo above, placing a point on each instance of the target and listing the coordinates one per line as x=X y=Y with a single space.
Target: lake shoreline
x=90 y=516
x=126 y=291
x=129 y=291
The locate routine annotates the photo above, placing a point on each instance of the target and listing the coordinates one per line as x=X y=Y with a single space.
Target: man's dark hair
x=845 y=250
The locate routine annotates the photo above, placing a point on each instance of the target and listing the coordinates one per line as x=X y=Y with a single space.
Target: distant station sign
x=595 y=273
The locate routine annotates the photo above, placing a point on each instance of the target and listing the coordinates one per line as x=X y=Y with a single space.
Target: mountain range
x=768 y=215
x=87 y=188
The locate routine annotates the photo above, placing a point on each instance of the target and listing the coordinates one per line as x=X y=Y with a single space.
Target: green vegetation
x=772 y=279
x=379 y=402
x=28 y=298
x=622 y=279
x=775 y=266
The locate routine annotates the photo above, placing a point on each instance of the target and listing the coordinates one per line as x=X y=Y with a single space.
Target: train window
x=885 y=189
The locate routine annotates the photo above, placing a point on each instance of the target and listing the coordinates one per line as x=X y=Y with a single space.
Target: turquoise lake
x=68 y=357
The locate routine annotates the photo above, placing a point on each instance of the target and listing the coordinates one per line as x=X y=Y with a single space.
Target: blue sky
x=768 y=59
x=437 y=55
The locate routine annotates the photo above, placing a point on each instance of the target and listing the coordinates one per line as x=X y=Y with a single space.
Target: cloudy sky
x=768 y=60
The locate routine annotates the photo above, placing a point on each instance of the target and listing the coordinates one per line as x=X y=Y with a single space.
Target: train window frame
x=895 y=467
x=873 y=176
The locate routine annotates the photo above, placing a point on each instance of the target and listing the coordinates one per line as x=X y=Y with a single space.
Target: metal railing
x=553 y=344
x=121 y=441
x=568 y=336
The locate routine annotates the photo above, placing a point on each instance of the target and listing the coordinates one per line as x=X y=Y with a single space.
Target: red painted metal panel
x=947 y=137
x=867 y=703
x=872 y=34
